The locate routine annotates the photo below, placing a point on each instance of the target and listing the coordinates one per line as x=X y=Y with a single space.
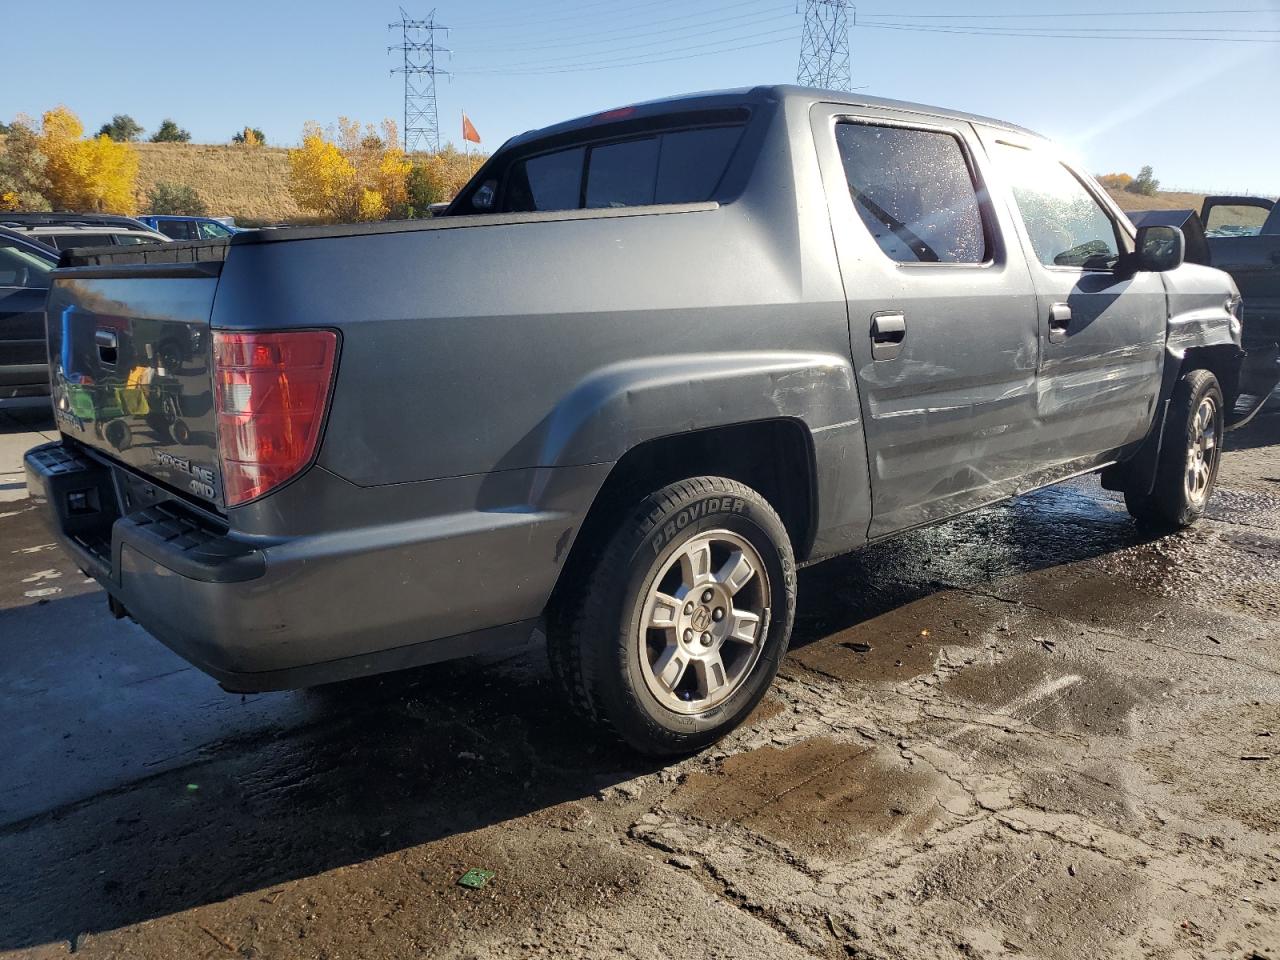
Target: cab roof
x=788 y=94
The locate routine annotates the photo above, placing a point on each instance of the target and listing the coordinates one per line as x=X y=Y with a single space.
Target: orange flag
x=469 y=130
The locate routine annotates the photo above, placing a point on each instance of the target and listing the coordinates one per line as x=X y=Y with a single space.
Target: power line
x=418 y=47
x=1050 y=34
x=576 y=58
x=499 y=25
x=627 y=33
x=824 y=46
x=1104 y=13
x=614 y=65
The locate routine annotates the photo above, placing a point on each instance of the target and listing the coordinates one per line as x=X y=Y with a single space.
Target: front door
x=1101 y=327
x=942 y=313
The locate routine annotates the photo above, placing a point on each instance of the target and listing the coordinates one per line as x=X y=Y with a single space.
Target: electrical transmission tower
x=418 y=45
x=824 y=48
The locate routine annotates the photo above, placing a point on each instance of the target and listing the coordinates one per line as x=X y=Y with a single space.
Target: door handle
x=1059 y=322
x=888 y=331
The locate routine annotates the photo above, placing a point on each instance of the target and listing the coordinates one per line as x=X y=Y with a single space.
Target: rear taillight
x=271 y=390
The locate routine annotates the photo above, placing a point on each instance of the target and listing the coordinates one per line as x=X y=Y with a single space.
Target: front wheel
x=1189 y=456
x=677 y=631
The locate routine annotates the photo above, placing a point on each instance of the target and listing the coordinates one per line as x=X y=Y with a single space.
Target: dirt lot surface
x=1031 y=732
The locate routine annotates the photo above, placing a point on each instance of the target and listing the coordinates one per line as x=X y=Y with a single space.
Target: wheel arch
x=774 y=456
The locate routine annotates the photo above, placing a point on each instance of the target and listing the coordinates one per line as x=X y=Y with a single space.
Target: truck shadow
x=389 y=763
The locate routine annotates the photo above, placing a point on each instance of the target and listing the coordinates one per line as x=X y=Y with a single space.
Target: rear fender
x=626 y=404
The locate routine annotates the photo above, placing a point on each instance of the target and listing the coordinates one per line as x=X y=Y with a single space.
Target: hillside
x=248 y=183
x=252 y=183
x=1161 y=200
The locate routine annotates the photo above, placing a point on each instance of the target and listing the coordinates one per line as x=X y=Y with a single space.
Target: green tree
x=122 y=128
x=1144 y=183
x=170 y=132
x=176 y=199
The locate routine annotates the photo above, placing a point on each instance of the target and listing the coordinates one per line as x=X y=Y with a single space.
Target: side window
x=1227 y=220
x=178 y=229
x=622 y=174
x=552 y=181
x=692 y=162
x=915 y=192
x=126 y=239
x=18 y=268
x=65 y=240
x=679 y=166
x=211 y=230
x=1066 y=225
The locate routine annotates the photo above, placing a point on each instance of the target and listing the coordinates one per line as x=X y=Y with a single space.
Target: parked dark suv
x=24 y=284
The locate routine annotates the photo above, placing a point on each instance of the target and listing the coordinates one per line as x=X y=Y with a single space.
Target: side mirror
x=1160 y=248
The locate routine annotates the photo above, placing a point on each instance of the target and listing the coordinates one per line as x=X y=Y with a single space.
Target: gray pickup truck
x=646 y=364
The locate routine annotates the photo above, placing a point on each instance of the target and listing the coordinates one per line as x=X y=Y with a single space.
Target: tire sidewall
x=740 y=511
x=1179 y=507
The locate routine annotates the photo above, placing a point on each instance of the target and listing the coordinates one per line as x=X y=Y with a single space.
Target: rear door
x=942 y=313
x=1101 y=331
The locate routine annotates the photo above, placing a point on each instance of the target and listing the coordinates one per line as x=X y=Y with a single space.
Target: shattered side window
x=914 y=192
x=1066 y=225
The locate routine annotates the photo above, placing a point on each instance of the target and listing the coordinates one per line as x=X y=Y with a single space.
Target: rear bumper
x=302 y=611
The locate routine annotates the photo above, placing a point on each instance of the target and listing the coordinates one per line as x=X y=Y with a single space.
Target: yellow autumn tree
x=96 y=175
x=350 y=172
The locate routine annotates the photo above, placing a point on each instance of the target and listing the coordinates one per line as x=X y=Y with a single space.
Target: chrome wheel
x=1202 y=452
x=701 y=626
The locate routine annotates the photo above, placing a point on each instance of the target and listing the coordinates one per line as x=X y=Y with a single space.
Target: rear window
x=679 y=166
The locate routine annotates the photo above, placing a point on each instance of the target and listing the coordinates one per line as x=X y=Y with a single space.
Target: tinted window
x=692 y=162
x=64 y=240
x=552 y=181
x=212 y=230
x=914 y=192
x=134 y=238
x=18 y=268
x=622 y=174
x=178 y=229
x=1066 y=225
x=683 y=166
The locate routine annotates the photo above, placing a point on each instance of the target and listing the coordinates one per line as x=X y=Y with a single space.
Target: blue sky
x=1203 y=114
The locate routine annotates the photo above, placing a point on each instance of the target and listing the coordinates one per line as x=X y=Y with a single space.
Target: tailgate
x=130 y=356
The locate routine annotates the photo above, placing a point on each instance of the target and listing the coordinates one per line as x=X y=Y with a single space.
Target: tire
x=1189 y=457
x=622 y=643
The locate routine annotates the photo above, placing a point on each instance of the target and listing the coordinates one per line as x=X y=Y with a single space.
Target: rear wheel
x=1189 y=456
x=676 y=631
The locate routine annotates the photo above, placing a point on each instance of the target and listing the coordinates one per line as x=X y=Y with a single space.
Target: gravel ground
x=1031 y=732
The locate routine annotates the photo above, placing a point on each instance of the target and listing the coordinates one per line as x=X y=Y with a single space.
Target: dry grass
x=1161 y=200
x=248 y=183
